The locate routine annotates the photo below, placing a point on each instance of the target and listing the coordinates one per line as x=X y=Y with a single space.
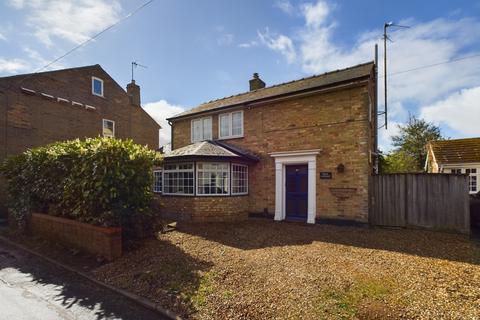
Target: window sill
x=230 y=137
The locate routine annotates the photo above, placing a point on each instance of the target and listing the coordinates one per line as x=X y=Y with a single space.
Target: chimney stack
x=133 y=91
x=256 y=83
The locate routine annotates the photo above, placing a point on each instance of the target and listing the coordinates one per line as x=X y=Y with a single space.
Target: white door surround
x=283 y=159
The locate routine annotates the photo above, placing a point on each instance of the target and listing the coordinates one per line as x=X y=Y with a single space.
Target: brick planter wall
x=204 y=209
x=103 y=241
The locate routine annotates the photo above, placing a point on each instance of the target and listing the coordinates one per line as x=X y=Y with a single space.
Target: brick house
x=302 y=150
x=37 y=109
x=459 y=156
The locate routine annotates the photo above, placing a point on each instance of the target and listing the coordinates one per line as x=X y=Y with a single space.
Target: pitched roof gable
x=305 y=84
x=457 y=150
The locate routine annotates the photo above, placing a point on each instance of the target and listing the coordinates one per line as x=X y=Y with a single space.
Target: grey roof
x=211 y=148
x=314 y=82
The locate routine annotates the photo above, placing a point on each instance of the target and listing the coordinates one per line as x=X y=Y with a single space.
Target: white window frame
x=167 y=171
x=232 y=175
x=463 y=170
x=93 y=87
x=230 y=128
x=228 y=171
x=155 y=190
x=103 y=128
x=204 y=137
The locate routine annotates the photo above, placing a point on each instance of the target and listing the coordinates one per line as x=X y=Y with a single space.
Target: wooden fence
x=431 y=201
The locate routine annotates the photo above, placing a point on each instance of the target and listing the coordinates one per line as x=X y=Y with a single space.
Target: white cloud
x=71 y=20
x=284 y=5
x=160 y=111
x=279 y=43
x=315 y=14
x=460 y=111
x=225 y=39
x=3 y=37
x=18 y=4
x=11 y=66
x=250 y=44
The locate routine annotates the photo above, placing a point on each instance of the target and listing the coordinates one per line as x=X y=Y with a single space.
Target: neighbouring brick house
x=459 y=156
x=302 y=150
x=37 y=109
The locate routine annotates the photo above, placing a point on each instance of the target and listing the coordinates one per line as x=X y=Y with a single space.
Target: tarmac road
x=31 y=288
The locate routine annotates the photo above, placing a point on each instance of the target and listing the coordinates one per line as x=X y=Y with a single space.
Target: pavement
x=31 y=288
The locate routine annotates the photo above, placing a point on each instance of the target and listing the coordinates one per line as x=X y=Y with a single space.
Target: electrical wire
x=132 y=13
x=431 y=65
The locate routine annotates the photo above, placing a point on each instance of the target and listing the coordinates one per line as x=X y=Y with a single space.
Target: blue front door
x=296 y=190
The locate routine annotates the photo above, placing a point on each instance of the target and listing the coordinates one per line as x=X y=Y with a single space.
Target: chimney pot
x=256 y=83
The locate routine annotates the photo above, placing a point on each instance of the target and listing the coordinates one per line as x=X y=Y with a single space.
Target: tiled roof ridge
x=289 y=82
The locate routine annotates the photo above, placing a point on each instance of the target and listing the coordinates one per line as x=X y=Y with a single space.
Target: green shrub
x=101 y=181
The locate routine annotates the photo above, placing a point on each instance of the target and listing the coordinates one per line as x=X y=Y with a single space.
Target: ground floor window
x=209 y=178
x=239 y=179
x=157 y=181
x=213 y=178
x=178 y=178
x=473 y=177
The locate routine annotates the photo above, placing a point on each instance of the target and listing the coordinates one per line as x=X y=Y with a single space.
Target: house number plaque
x=325 y=175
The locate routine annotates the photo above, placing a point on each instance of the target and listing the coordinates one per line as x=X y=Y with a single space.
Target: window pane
x=197 y=130
x=97 y=87
x=239 y=179
x=178 y=178
x=157 y=181
x=108 y=128
x=213 y=178
x=237 y=125
x=225 y=125
x=207 y=129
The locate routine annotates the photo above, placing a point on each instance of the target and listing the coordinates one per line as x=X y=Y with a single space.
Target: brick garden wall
x=106 y=242
x=337 y=122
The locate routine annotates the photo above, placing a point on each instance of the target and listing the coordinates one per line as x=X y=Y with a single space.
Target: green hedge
x=101 y=181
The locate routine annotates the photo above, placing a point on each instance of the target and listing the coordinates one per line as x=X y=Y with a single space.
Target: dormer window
x=97 y=86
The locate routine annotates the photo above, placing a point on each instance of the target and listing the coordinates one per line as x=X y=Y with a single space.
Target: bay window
x=230 y=125
x=213 y=178
x=239 y=179
x=178 y=179
x=201 y=129
x=202 y=179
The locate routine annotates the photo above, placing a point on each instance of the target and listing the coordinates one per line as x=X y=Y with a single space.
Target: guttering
x=281 y=97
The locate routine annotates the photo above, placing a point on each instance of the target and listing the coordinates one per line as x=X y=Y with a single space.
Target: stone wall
x=339 y=122
x=106 y=242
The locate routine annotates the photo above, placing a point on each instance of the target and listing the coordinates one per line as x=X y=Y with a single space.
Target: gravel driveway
x=260 y=269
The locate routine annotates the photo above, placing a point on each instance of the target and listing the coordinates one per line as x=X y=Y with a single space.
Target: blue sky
x=201 y=50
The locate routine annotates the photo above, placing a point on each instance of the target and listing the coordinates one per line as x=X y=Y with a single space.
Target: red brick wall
x=337 y=122
x=28 y=121
x=203 y=209
x=106 y=242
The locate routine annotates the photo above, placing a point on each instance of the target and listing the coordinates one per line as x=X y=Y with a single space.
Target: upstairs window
x=108 y=128
x=97 y=86
x=201 y=129
x=230 y=125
